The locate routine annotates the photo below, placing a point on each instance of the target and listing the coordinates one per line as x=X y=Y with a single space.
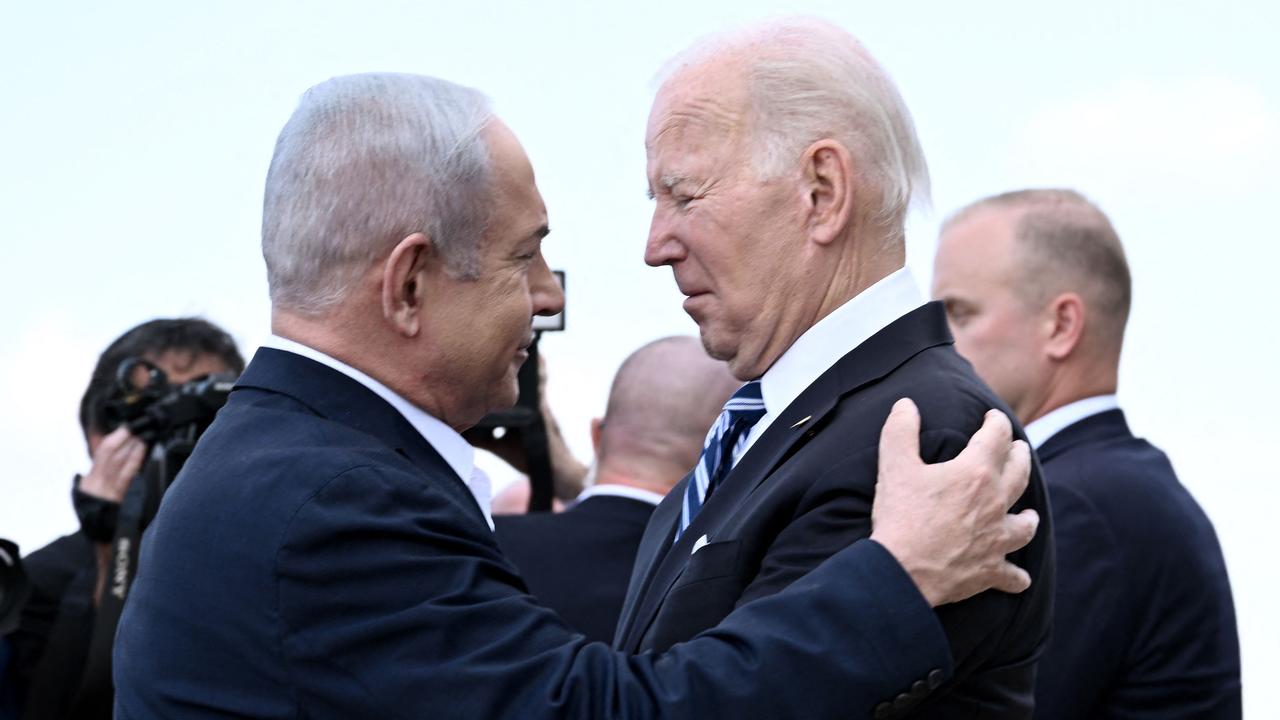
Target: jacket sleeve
x=393 y=603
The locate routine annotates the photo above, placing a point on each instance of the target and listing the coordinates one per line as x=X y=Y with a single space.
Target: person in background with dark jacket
x=1037 y=290
x=50 y=648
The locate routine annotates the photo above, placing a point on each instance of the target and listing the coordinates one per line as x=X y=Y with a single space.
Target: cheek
x=985 y=342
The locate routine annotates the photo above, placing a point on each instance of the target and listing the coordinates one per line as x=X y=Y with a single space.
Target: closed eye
x=958 y=312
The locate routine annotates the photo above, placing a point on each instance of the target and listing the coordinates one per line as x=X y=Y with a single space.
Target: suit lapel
x=799 y=422
x=337 y=397
x=654 y=546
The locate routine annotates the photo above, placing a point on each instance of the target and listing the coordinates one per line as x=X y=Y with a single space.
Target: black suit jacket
x=51 y=643
x=578 y=562
x=317 y=558
x=1147 y=627
x=804 y=490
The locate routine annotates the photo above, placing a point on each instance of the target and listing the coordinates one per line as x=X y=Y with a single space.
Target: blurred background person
x=1037 y=291
x=50 y=668
x=578 y=562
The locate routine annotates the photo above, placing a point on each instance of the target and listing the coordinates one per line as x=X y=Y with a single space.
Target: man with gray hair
x=1037 y=290
x=782 y=162
x=326 y=552
x=578 y=562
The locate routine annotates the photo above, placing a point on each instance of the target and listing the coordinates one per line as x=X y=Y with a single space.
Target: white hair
x=363 y=162
x=809 y=79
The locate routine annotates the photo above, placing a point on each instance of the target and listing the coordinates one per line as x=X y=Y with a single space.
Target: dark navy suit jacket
x=578 y=562
x=805 y=489
x=316 y=558
x=1144 y=618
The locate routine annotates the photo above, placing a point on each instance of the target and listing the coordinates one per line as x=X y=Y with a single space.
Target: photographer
x=52 y=664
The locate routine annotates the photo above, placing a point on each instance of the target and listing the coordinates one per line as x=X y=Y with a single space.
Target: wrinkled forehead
x=703 y=100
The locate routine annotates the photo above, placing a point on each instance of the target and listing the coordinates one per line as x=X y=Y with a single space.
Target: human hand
x=948 y=524
x=116 y=461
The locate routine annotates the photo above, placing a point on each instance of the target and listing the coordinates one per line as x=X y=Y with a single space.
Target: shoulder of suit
x=1115 y=466
x=948 y=394
x=1130 y=483
x=54 y=565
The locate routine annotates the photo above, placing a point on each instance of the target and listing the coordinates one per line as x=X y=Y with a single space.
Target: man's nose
x=548 y=296
x=663 y=246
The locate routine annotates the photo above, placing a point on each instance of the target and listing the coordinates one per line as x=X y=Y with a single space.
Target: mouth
x=522 y=352
x=693 y=300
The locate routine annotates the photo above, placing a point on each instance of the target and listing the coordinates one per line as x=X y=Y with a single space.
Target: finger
x=133 y=461
x=113 y=440
x=1016 y=472
x=113 y=450
x=900 y=436
x=1018 y=530
x=1010 y=578
x=988 y=446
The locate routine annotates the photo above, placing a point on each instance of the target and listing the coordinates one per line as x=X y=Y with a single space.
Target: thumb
x=900 y=436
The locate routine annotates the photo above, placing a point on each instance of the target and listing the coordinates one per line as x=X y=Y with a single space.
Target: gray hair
x=363 y=162
x=808 y=80
x=1066 y=243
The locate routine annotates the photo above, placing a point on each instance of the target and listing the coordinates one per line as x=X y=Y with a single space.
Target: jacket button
x=919 y=689
x=935 y=678
x=883 y=711
x=903 y=701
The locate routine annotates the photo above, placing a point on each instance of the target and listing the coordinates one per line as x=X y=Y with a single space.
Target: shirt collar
x=832 y=337
x=456 y=451
x=615 y=490
x=1040 y=430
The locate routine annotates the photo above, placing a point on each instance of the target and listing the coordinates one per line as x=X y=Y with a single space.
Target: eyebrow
x=670 y=181
x=667 y=182
x=543 y=231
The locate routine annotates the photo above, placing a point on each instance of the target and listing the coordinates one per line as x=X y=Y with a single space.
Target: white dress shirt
x=456 y=451
x=830 y=339
x=615 y=490
x=1039 y=431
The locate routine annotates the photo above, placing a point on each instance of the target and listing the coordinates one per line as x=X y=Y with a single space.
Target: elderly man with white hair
x=782 y=161
x=327 y=550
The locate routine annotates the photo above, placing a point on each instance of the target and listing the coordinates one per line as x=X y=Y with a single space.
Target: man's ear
x=404 y=283
x=1067 y=315
x=828 y=182
x=597 y=431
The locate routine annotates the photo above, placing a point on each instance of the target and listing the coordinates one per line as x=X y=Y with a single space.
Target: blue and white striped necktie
x=724 y=440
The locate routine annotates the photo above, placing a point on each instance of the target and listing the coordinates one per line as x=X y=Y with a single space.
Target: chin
x=510 y=395
x=714 y=345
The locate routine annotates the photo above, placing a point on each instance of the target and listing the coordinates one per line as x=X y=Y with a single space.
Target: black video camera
x=158 y=412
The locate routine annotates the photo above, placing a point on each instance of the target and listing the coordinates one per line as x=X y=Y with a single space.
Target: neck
x=1069 y=384
x=321 y=332
x=365 y=347
x=609 y=474
x=857 y=270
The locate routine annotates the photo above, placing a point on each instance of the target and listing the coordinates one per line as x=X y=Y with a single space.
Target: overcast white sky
x=135 y=136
